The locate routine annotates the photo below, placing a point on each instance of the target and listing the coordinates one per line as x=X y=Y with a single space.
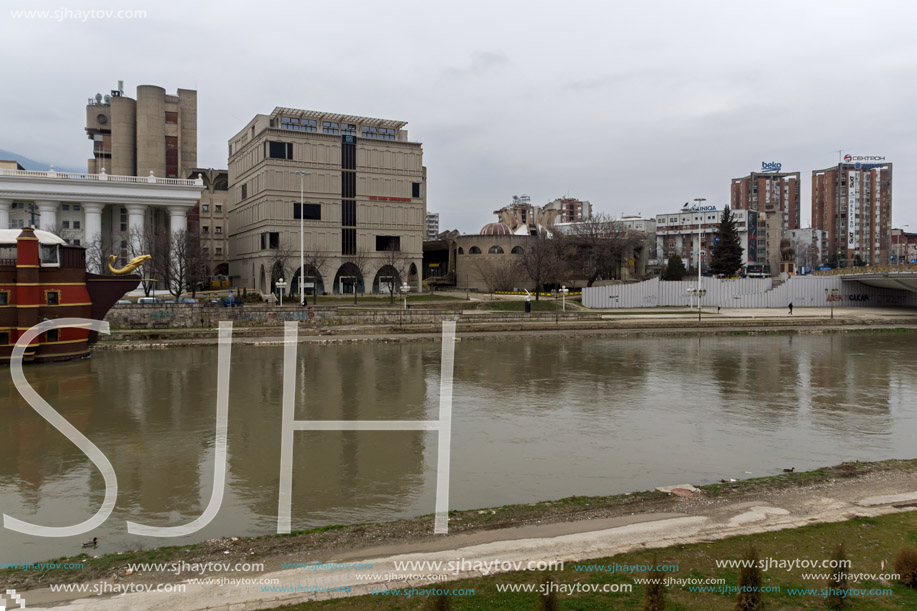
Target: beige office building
x=363 y=207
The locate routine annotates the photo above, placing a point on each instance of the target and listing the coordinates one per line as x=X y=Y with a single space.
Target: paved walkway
x=700 y=520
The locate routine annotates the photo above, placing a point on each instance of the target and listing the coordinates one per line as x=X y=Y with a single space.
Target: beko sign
x=773 y=166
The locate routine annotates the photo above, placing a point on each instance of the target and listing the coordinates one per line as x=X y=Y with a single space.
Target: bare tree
x=601 y=244
x=539 y=260
x=361 y=262
x=181 y=263
x=393 y=257
x=500 y=274
x=98 y=248
x=315 y=261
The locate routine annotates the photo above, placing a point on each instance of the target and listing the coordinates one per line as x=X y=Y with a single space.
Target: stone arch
x=221 y=270
x=474 y=250
x=461 y=250
x=347 y=280
x=495 y=250
x=313 y=276
x=517 y=250
x=387 y=280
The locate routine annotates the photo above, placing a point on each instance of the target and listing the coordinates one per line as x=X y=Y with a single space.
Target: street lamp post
x=302 y=245
x=405 y=287
x=831 y=297
x=563 y=291
x=280 y=284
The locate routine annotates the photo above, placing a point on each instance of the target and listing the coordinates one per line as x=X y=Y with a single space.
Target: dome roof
x=496 y=229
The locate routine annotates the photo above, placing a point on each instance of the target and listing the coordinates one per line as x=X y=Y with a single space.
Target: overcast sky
x=635 y=106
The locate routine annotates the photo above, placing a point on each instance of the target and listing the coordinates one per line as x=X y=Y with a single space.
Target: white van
x=146 y=300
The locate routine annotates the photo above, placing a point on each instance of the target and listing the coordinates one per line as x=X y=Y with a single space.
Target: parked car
x=189 y=300
x=213 y=303
x=148 y=301
x=124 y=302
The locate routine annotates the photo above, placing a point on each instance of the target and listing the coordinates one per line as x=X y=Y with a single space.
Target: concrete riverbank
x=484 y=325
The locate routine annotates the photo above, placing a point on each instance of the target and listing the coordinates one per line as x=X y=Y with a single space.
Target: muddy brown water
x=533 y=419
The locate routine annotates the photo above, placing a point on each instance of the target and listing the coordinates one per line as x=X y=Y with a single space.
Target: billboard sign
x=863 y=158
x=773 y=166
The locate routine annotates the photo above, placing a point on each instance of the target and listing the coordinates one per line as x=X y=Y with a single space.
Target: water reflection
x=533 y=419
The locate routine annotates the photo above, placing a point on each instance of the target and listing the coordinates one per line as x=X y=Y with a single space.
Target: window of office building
x=65 y=207
x=219 y=208
x=205 y=207
x=349 y=213
x=388 y=242
x=244 y=191
x=310 y=212
x=65 y=224
x=330 y=127
x=218 y=229
x=270 y=240
x=348 y=129
x=76 y=224
x=415 y=189
x=386 y=133
x=171 y=117
x=296 y=124
x=348 y=184
x=348 y=241
x=368 y=131
x=219 y=250
x=278 y=150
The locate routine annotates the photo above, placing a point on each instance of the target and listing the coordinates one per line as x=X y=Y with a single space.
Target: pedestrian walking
x=791 y=309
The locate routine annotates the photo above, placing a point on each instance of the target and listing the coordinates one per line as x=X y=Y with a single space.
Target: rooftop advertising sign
x=773 y=166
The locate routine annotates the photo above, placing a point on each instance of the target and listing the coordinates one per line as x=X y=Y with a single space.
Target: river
x=533 y=419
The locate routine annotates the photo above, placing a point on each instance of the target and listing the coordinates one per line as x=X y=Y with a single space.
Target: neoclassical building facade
x=83 y=208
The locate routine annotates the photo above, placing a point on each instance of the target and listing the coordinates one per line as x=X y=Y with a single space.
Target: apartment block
x=774 y=195
x=852 y=201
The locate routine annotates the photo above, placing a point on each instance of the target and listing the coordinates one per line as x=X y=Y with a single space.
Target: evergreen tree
x=750 y=578
x=674 y=269
x=654 y=595
x=727 y=252
x=837 y=584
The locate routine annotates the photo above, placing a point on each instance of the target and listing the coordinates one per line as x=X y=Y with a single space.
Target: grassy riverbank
x=870 y=543
x=332 y=540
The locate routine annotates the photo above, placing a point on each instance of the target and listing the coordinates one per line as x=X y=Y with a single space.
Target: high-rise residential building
x=852 y=201
x=363 y=206
x=432 y=226
x=570 y=210
x=677 y=233
x=155 y=133
x=774 y=195
x=210 y=220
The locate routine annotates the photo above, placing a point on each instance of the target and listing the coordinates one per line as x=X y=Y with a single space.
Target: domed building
x=496 y=229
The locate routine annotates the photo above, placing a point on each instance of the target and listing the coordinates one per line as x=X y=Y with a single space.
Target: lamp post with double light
x=563 y=291
x=280 y=284
x=700 y=222
x=831 y=297
x=302 y=242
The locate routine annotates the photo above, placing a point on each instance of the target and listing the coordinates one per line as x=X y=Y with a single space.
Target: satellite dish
x=107 y=99
x=98 y=97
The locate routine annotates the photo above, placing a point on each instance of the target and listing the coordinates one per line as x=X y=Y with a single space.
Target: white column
x=178 y=220
x=92 y=222
x=136 y=214
x=5 y=205
x=47 y=214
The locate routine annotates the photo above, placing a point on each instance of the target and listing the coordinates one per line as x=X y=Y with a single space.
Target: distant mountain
x=41 y=166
